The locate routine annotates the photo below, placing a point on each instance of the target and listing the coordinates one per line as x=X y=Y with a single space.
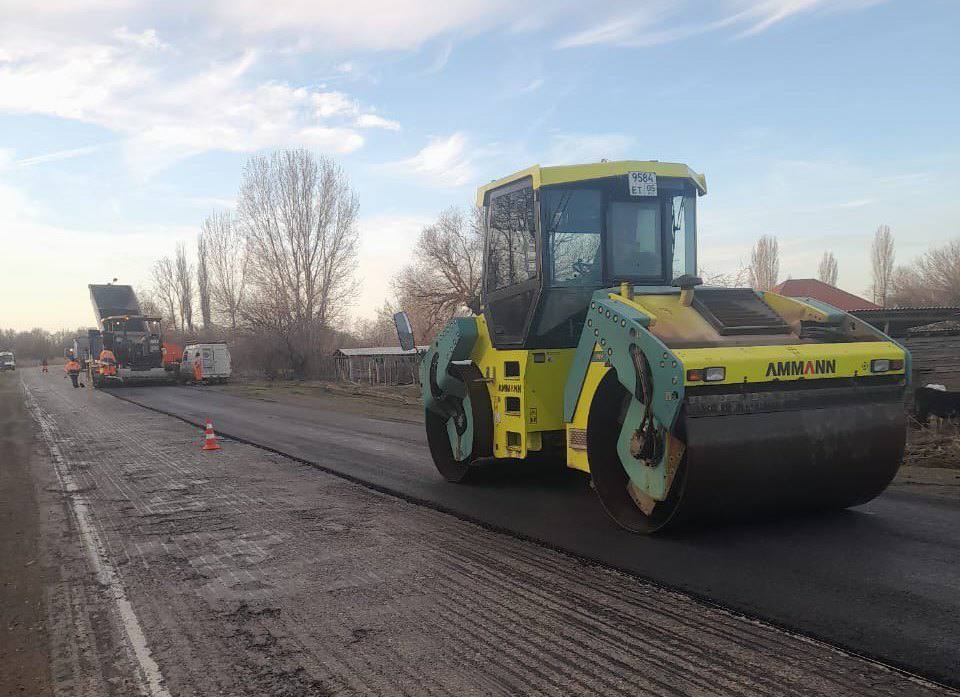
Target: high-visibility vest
x=72 y=367
x=197 y=370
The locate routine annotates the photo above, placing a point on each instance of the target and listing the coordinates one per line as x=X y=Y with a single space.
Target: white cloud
x=56 y=156
x=364 y=24
x=146 y=39
x=659 y=22
x=333 y=103
x=168 y=110
x=571 y=148
x=443 y=162
x=7 y=158
x=531 y=86
x=374 y=121
x=439 y=61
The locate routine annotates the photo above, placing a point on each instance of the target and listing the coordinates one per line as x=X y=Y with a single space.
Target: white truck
x=7 y=361
x=206 y=363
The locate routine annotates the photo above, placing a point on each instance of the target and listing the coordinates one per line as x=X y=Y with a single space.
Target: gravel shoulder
x=251 y=574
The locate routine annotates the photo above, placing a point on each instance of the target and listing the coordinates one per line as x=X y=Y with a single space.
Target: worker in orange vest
x=43 y=363
x=72 y=370
x=108 y=363
x=197 y=368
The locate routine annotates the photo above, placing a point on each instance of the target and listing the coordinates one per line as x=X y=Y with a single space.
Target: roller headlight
x=714 y=374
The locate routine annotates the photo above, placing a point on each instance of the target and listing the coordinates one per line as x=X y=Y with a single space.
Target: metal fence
x=370 y=370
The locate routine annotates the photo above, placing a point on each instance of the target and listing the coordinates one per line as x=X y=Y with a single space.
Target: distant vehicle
x=7 y=361
x=209 y=363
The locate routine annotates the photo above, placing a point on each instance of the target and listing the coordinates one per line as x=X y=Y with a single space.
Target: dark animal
x=940 y=403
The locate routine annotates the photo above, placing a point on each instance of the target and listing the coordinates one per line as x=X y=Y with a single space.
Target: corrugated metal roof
x=937 y=328
x=814 y=288
x=932 y=309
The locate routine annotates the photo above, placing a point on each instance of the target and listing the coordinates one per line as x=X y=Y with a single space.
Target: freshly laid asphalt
x=881 y=580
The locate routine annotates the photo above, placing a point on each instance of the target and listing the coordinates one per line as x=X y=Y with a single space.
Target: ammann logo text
x=798 y=368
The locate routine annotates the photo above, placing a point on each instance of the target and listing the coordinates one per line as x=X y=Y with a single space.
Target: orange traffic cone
x=210 y=438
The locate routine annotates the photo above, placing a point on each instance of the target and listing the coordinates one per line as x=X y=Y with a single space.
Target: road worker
x=43 y=365
x=108 y=363
x=197 y=368
x=72 y=369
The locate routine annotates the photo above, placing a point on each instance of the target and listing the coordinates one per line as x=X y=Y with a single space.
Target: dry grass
x=406 y=395
x=937 y=445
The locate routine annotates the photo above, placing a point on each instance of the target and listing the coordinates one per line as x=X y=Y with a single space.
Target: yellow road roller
x=597 y=343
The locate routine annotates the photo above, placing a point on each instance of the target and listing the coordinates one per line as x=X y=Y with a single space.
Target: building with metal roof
x=824 y=292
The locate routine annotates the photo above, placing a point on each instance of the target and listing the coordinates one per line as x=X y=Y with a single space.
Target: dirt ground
x=23 y=641
x=240 y=572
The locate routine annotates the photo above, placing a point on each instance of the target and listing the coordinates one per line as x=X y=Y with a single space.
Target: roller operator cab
x=597 y=343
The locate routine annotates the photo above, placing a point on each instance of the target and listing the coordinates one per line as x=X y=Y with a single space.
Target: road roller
x=595 y=342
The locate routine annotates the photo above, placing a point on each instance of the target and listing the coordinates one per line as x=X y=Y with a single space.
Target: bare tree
x=881 y=258
x=184 y=286
x=149 y=304
x=379 y=330
x=765 y=263
x=203 y=277
x=164 y=283
x=739 y=278
x=828 y=271
x=932 y=279
x=444 y=277
x=226 y=250
x=299 y=216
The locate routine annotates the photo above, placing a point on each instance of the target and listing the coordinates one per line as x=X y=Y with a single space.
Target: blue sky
x=123 y=124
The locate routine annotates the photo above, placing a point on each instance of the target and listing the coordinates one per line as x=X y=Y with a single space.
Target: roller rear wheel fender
x=474 y=411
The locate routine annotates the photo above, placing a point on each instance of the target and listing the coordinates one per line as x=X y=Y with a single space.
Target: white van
x=214 y=360
x=7 y=361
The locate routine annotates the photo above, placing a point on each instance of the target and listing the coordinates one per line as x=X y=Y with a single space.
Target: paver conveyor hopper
x=597 y=341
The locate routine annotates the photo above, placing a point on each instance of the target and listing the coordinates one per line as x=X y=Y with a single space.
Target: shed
x=378 y=351
x=900 y=321
x=935 y=349
x=377 y=365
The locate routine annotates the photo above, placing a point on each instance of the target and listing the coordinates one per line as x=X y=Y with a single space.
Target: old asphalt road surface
x=881 y=581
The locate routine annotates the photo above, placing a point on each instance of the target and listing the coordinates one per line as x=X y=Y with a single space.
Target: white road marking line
x=149 y=676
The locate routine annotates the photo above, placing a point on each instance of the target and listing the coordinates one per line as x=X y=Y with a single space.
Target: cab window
x=635 y=239
x=511 y=239
x=683 y=213
x=574 y=224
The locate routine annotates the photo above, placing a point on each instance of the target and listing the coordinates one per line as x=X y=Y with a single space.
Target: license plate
x=642 y=183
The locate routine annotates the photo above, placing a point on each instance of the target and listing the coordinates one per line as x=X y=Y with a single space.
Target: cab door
x=512 y=276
